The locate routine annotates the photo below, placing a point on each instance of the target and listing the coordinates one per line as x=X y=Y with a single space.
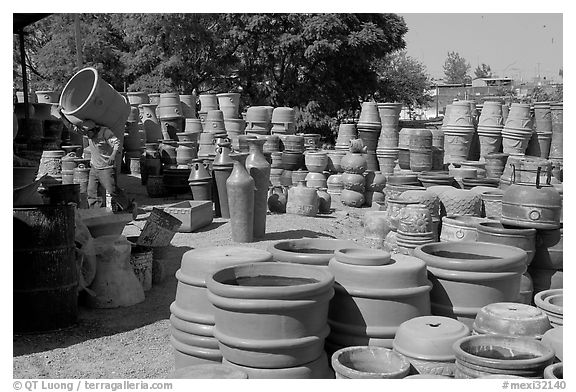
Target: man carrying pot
x=104 y=147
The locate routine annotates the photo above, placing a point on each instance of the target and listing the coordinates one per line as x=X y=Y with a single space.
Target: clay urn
x=426 y=342
x=355 y=161
x=511 y=319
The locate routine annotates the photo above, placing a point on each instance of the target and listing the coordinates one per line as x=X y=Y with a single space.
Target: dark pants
x=106 y=178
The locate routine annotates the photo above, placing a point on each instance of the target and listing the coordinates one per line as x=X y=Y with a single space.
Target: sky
x=513 y=45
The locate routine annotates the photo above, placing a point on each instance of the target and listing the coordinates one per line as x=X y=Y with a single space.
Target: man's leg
x=94 y=200
x=108 y=178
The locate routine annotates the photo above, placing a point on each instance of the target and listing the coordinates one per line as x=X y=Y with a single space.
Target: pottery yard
x=161 y=235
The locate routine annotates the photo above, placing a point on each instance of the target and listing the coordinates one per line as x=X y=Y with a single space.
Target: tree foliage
x=402 y=78
x=483 y=71
x=456 y=69
x=322 y=64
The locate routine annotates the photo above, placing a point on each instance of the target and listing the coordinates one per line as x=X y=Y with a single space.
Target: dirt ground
x=133 y=342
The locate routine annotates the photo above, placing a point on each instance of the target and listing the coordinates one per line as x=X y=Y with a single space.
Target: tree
x=483 y=71
x=456 y=69
x=402 y=78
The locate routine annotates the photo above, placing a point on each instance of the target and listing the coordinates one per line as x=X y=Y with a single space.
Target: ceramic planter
x=470 y=275
x=353 y=182
x=376 y=225
x=461 y=202
x=511 y=319
x=302 y=200
x=424 y=197
x=324 y=201
x=316 y=180
x=259 y=169
x=496 y=233
x=352 y=198
x=483 y=355
x=427 y=341
x=364 y=362
x=549 y=250
x=270 y=315
x=552 y=303
x=317 y=251
x=460 y=228
x=375 y=292
x=317 y=369
x=353 y=163
x=240 y=190
x=554 y=339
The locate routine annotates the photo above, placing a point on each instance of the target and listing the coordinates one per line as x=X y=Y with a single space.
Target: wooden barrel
x=45 y=273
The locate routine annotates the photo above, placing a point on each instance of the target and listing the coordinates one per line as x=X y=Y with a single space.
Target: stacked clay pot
x=369 y=362
x=374 y=181
x=414 y=228
x=214 y=123
x=207 y=102
x=467 y=276
x=517 y=130
x=346 y=132
x=547 y=267
x=551 y=302
x=479 y=356
x=542 y=128
x=368 y=128
x=283 y=121
x=270 y=317
x=460 y=228
x=316 y=162
x=258 y=120
x=302 y=200
x=169 y=112
x=431 y=201
x=375 y=292
x=556 y=147
x=489 y=129
x=150 y=122
x=221 y=170
x=387 y=149
x=458 y=128
x=426 y=342
x=354 y=164
x=420 y=146
x=192 y=314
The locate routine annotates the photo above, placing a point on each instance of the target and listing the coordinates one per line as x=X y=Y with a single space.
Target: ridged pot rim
x=413 y=340
x=467 y=221
x=324 y=281
x=372 y=351
x=362 y=256
x=495 y=227
x=545 y=353
x=498 y=258
x=540 y=301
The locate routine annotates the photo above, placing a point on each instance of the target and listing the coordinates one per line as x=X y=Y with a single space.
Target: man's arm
x=114 y=142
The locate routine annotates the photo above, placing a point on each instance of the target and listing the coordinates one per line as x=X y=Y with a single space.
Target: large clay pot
x=511 y=319
x=324 y=201
x=317 y=369
x=353 y=181
x=317 y=251
x=460 y=228
x=552 y=303
x=556 y=146
x=270 y=315
x=352 y=198
x=316 y=161
x=88 y=96
x=365 y=362
x=192 y=319
x=302 y=200
x=482 y=355
x=375 y=292
x=277 y=199
x=259 y=169
x=549 y=255
x=315 y=180
x=426 y=342
x=376 y=226
x=553 y=338
x=532 y=205
x=354 y=162
x=554 y=371
x=222 y=168
x=495 y=164
x=497 y=233
x=470 y=275
x=460 y=202
x=240 y=189
x=346 y=132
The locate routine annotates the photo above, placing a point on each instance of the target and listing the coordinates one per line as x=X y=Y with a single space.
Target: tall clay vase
x=222 y=168
x=259 y=170
x=240 y=189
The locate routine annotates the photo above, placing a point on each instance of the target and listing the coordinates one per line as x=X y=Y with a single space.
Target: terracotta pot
x=316 y=180
x=457 y=143
x=532 y=205
x=364 y=362
x=376 y=225
x=270 y=315
x=352 y=198
x=259 y=169
x=554 y=371
x=497 y=233
x=460 y=202
x=334 y=184
x=491 y=115
x=394 y=209
x=519 y=117
x=302 y=200
x=375 y=292
x=277 y=198
x=334 y=159
x=415 y=218
x=552 y=303
x=369 y=115
x=556 y=146
x=419 y=160
x=407 y=242
x=240 y=189
x=389 y=139
x=346 y=132
x=553 y=338
x=458 y=114
x=470 y=275
x=511 y=319
x=542 y=117
x=460 y=228
x=432 y=179
x=316 y=161
x=389 y=113
x=299 y=175
x=317 y=369
x=482 y=355
x=354 y=182
x=426 y=342
x=316 y=251
x=430 y=200
x=354 y=163
x=292 y=160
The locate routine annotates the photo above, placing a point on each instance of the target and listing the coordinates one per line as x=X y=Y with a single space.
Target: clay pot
x=292 y=160
x=375 y=181
x=515 y=141
x=354 y=163
x=259 y=169
x=470 y=275
x=532 y=205
x=208 y=102
x=419 y=160
x=491 y=115
x=283 y=120
x=554 y=371
x=346 y=132
x=317 y=369
x=430 y=200
x=299 y=175
x=334 y=184
x=458 y=114
x=365 y=362
x=552 y=303
x=316 y=161
x=457 y=143
x=482 y=355
x=511 y=319
x=302 y=200
x=542 y=117
x=460 y=202
x=354 y=182
x=317 y=251
x=352 y=198
x=394 y=209
x=519 y=117
x=334 y=160
x=495 y=164
x=427 y=341
x=553 y=338
x=376 y=225
x=240 y=189
x=497 y=233
x=389 y=114
x=460 y=228
x=549 y=250
x=270 y=315
x=369 y=116
x=556 y=146
x=432 y=179
x=415 y=218
x=375 y=292
x=277 y=198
